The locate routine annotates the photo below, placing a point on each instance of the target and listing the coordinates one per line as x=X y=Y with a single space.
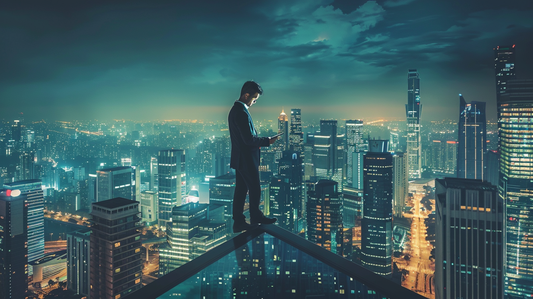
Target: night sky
x=148 y=60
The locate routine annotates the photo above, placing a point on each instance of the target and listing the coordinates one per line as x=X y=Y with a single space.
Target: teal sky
x=67 y=60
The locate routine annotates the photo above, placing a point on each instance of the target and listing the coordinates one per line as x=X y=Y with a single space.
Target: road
x=421 y=269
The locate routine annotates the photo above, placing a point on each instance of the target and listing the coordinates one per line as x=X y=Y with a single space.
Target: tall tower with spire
x=413 y=110
x=283 y=127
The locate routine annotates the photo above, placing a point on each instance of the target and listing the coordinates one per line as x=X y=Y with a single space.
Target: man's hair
x=251 y=87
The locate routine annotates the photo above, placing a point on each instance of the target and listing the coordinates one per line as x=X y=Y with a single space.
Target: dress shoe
x=263 y=220
x=241 y=226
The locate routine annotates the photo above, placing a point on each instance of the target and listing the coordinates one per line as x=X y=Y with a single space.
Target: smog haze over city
x=84 y=60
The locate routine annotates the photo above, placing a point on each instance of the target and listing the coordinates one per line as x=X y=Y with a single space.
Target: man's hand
x=272 y=139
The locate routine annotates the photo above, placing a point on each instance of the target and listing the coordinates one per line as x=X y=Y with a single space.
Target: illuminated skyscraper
x=515 y=123
x=149 y=207
x=296 y=137
x=172 y=188
x=413 y=111
x=328 y=152
x=13 y=244
x=283 y=127
x=114 y=182
x=504 y=60
x=400 y=182
x=469 y=240
x=354 y=142
x=195 y=228
x=33 y=191
x=324 y=215
x=472 y=140
x=376 y=226
x=153 y=174
x=116 y=258
x=280 y=204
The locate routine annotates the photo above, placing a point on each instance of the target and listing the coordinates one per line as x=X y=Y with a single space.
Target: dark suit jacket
x=245 y=144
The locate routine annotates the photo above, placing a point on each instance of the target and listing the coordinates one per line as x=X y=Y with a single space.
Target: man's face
x=252 y=99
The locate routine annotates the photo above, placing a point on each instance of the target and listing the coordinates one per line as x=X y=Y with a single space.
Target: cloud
x=395 y=3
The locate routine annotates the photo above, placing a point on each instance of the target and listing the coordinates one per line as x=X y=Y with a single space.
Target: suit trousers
x=247 y=181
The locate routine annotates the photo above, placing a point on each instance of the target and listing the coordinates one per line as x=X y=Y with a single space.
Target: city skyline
x=336 y=59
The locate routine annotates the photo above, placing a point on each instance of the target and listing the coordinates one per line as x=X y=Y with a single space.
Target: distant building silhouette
x=354 y=143
x=283 y=127
x=328 y=152
x=504 y=67
x=114 y=182
x=296 y=137
x=400 y=182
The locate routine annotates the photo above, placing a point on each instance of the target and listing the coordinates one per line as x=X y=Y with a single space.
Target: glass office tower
x=472 y=140
x=515 y=124
x=413 y=109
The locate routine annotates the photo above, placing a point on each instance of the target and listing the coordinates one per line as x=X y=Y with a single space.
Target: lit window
x=117 y=244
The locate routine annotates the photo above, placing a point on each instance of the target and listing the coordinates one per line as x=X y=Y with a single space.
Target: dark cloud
x=93 y=58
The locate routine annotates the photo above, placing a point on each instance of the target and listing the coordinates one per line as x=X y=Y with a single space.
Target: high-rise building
x=376 y=225
x=357 y=170
x=153 y=174
x=79 y=262
x=27 y=166
x=172 y=176
x=352 y=207
x=33 y=191
x=354 y=141
x=504 y=60
x=413 y=110
x=13 y=244
x=516 y=184
x=283 y=127
x=296 y=137
x=328 y=152
x=324 y=215
x=280 y=203
x=149 y=207
x=400 y=182
x=195 y=228
x=291 y=167
x=116 y=261
x=16 y=131
x=469 y=240
x=492 y=165
x=114 y=182
x=221 y=190
x=472 y=140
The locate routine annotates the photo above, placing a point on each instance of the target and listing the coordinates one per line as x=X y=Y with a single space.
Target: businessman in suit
x=245 y=158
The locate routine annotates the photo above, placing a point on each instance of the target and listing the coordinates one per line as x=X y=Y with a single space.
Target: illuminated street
x=421 y=269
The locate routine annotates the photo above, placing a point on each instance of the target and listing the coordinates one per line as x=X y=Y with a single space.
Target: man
x=245 y=158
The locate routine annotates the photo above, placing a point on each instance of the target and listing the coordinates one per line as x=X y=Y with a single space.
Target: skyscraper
x=195 y=228
x=296 y=137
x=400 y=182
x=291 y=167
x=472 y=140
x=376 y=226
x=504 y=60
x=413 y=110
x=469 y=240
x=280 y=204
x=116 y=262
x=114 y=182
x=283 y=127
x=13 y=244
x=153 y=174
x=149 y=207
x=354 y=141
x=516 y=184
x=79 y=261
x=328 y=152
x=172 y=188
x=33 y=191
x=324 y=215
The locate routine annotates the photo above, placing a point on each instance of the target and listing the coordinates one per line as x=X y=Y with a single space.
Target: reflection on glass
x=266 y=267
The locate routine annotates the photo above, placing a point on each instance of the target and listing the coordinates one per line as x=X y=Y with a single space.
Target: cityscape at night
x=404 y=166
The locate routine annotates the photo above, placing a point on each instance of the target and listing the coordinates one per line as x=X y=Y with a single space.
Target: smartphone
x=277 y=135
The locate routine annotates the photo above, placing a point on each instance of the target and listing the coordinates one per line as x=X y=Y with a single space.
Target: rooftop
x=115 y=203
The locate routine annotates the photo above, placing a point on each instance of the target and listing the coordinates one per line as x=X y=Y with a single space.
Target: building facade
x=79 y=262
x=472 y=140
x=171 y=182
x=469 y=240
x=116 y=258
x=354 y=142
